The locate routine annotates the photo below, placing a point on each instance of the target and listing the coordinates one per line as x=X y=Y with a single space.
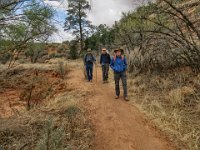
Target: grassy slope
x=172 y=100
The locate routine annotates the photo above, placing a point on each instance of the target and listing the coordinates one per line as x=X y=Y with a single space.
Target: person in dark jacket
x=119 y=66
x=105 y=61
x=89 y=61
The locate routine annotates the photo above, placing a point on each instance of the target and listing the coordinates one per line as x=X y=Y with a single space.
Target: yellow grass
x=173 y=102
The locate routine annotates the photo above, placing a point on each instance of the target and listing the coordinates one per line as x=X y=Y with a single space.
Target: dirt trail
x=118 y=125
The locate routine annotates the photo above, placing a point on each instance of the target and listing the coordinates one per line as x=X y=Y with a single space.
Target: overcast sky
x=103 y=12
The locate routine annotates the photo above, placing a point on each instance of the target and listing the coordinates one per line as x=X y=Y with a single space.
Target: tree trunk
x=80 y=27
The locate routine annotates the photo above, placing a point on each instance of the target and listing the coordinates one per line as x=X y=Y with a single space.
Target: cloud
x=60 y=35
x=109 y=11
x=57 y=4
x=102 y=12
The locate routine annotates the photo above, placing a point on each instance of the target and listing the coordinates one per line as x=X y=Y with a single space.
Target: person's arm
x=112 y=63
x=109 y=58
x=94 y=59
x=125 y=63
x=101 y=59
x=84 y=59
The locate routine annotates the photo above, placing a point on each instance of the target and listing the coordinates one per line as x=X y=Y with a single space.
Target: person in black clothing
x=105 y=61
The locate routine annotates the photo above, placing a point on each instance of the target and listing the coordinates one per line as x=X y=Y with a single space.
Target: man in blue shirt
x=89 y=61
x=105 y=61
x=119 y=66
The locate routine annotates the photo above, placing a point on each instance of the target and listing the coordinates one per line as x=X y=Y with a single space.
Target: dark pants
x=105 y=70
x=117 y=77
x=89 y=70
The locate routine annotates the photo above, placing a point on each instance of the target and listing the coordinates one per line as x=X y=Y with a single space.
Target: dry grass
x=57 y=122
x=172 y=100
x=62 y=69
x=47 y=129
x=177 y=96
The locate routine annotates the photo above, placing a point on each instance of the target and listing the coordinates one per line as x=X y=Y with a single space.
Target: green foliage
x=18 y=30
x=39 y=20
x=103 y=36
x=159 y=35
x=5 y=58
x=77 y=21
x=73 y=53
x=35 y=51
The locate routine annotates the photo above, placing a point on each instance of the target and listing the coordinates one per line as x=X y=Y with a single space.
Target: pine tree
x=76 y=20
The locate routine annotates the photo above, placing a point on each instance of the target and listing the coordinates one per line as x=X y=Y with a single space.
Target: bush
x=73 y=51
x=51 y=138
x=35 y=51
x=5 y=58
x=62 y=69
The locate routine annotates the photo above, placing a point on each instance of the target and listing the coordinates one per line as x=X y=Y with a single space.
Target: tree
x=32 y=23
x=76 y=20
x=73 y=50
x=103 y=36
x=35 y=51
x=159 y=35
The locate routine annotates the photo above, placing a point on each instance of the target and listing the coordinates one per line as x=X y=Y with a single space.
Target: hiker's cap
x=116 y=50
x=89 y=50
x=120 y=49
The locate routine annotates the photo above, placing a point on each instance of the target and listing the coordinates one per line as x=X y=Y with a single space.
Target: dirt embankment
x=52 y=120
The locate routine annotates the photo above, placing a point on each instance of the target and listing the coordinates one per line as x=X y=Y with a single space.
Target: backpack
x=89 y=58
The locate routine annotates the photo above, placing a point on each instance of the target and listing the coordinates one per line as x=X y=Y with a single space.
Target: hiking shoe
x=126 y=99
x=106 y=81
x=116 y=97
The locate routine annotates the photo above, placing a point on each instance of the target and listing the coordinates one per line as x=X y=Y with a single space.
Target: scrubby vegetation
x=65 y=128
x=33 y=23
x=172 y=99
x=39 y=109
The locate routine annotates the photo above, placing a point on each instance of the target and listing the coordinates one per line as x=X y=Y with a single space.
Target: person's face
x=103 y=51
x=118 y=53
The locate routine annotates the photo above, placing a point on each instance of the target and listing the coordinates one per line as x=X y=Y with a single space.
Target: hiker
x=105 y=61
x=119 y=66
x=89 y=61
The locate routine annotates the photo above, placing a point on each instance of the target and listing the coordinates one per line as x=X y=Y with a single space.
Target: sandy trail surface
x=118 y=125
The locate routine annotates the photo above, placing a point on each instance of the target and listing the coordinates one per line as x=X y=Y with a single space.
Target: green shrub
x=73 y=51
x=5 y=58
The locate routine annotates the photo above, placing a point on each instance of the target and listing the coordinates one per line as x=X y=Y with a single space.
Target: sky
x=103 y=12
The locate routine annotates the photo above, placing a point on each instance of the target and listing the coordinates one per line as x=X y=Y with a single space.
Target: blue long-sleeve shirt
x=105 y=59
x=119 y=64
